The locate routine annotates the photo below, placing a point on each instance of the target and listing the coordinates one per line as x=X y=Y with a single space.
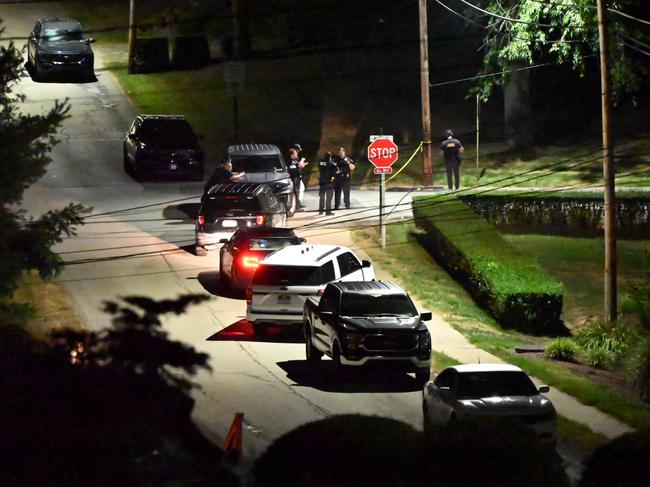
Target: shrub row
x=152 y=54
x=573 y=214
x=511 y=285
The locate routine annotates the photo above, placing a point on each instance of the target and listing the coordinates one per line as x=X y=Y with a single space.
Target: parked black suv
x=228 y=207
x=58 y=46
x=358 y=322
x=163 y=146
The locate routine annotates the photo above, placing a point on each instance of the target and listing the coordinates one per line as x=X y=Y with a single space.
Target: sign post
x=382 y=153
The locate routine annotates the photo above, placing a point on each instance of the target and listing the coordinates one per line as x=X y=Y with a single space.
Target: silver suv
x=263 y=163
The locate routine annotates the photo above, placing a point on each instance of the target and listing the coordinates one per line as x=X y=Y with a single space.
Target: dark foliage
x=623 y=461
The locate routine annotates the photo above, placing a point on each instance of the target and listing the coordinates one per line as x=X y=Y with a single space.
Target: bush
x=609 y=338
x=190 y=52
x=511 y=285
x=623 y=461
x=151 y=54
x=600 y=358
x=561 y=349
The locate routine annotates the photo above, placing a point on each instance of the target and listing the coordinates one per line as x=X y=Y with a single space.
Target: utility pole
x=427 y=173
x=241 y=29
x=608 y=170
x=133 y=36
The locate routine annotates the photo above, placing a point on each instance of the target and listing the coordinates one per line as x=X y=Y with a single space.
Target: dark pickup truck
x=358 y=322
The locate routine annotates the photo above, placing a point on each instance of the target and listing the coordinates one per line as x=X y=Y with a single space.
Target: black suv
x=359 y=322
x=229 y=207
x=163 y=146
x=57 y=47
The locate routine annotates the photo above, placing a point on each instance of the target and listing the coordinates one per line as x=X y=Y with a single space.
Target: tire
x=200 y=251
x=311 y=352
x=422 y=376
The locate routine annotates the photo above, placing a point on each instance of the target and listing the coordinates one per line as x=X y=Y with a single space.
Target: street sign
x=383 y=170
x=382 y=152
x=234 y=72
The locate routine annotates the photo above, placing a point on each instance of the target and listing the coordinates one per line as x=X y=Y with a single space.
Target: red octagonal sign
x=382 y=152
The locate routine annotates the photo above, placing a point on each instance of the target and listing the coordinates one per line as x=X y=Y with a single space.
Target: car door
x=351 y=269
x=441 y=404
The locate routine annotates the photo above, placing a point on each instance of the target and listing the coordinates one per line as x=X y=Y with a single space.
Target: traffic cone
x=232 y=446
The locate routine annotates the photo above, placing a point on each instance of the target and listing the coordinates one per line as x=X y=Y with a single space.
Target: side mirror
x=426 y=316
x=302 y=240
x=366 y=263
x=543 y=389
x=223 y=240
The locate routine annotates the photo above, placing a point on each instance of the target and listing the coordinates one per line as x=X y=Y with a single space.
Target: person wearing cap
x=327 y=176
x=222 y=175
x=296 y=165
x=343 y=178
x=451 y=149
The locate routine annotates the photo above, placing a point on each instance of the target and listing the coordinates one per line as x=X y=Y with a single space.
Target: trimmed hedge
x=511 y=285
x=151 y=54
x=573 y=214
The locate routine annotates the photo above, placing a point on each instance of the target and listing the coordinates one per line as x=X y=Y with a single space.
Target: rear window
x=232 y=202
x=287 y=275
x=169 y=133
x=257 y=164
x=272 y=243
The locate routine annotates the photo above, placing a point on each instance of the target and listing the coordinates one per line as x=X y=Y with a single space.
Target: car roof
x=145 y=116
x=253 y=149
x=485 y=368
x=302 y=255
x=61 y=23
x=369 y=287
x=253 y=232
x=249 y=189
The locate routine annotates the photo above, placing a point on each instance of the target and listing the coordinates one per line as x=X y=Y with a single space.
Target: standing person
x=451 y=149
x=327 y=176
x=343 y=178
x=296 y=165
x=222 y=175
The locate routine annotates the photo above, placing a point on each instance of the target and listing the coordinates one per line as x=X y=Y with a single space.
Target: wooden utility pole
x=241 y=29
x=608 y=170
x=133 y=36
x=427 y=173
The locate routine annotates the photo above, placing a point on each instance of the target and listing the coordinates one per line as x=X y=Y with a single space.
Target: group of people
x=334 y=179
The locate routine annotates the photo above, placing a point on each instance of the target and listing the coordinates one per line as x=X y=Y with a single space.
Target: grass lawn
x=416 y=270
x=51 y=307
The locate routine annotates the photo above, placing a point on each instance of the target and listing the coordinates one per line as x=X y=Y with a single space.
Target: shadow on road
x=244 y=331
x=212 y=283
x=184 y=211
x=323 y=376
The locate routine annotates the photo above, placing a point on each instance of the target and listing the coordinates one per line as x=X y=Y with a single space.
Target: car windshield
x=272 y=243
x=287 y=275
x=58 y=35
x=377 y=305
x=173 y=134
x=474 y=385
x=257 y=164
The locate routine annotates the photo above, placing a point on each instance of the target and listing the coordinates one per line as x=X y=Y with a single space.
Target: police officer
x=451 y=150
x=343 y=178
x=222 y=175
x=296 y=165
x=327 y=176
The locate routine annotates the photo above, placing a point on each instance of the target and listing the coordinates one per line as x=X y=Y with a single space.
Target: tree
x=27 y=141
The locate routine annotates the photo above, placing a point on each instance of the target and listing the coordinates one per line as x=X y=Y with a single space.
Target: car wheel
x=312 y=353
x=200 y=251
x=422 y=375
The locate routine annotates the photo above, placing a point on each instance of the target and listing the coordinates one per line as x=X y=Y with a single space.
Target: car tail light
x=250 y=261
x=259 y=220
x=320 y=292
x=200 y=219
x=249 y=295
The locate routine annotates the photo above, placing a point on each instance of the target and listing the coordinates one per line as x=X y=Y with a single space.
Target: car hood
x=264 y=177
x=65 y=47
x=507 y=405
x=383 y=322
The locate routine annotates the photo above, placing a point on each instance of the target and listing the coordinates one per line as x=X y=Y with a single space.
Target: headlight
x=352 y=340
x=424 y=338
x=282 y=184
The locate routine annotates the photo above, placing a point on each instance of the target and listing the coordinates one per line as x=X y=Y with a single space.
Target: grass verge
x=418 y=272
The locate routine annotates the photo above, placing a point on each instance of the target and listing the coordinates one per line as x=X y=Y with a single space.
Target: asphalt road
x=268 y=380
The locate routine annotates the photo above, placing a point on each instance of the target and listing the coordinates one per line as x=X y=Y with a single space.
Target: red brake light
x=200 y=219
x=320 y=292
x=249 y=295
x=250 y=261
x=259 y=220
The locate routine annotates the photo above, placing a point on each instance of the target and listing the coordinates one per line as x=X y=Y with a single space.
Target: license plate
x=173 y=166
x=229 y=223
x=284 y=299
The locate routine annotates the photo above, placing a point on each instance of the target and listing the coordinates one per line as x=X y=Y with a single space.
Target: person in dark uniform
x=343 y=178
x=222 y=175
x=296 y=165
x=451 y=149
x=327 y=176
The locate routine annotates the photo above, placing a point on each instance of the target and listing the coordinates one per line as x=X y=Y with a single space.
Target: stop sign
x=382 y=152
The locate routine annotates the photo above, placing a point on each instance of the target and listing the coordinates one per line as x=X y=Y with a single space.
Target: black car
x=57 y=47
x=226 y=208
x=240 y=256
x=162 y=146
x=357 y=323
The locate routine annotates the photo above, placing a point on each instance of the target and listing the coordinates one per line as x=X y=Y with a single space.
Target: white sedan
x=488 y=390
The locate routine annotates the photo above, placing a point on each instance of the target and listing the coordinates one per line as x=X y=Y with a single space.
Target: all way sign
x=382 y=153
